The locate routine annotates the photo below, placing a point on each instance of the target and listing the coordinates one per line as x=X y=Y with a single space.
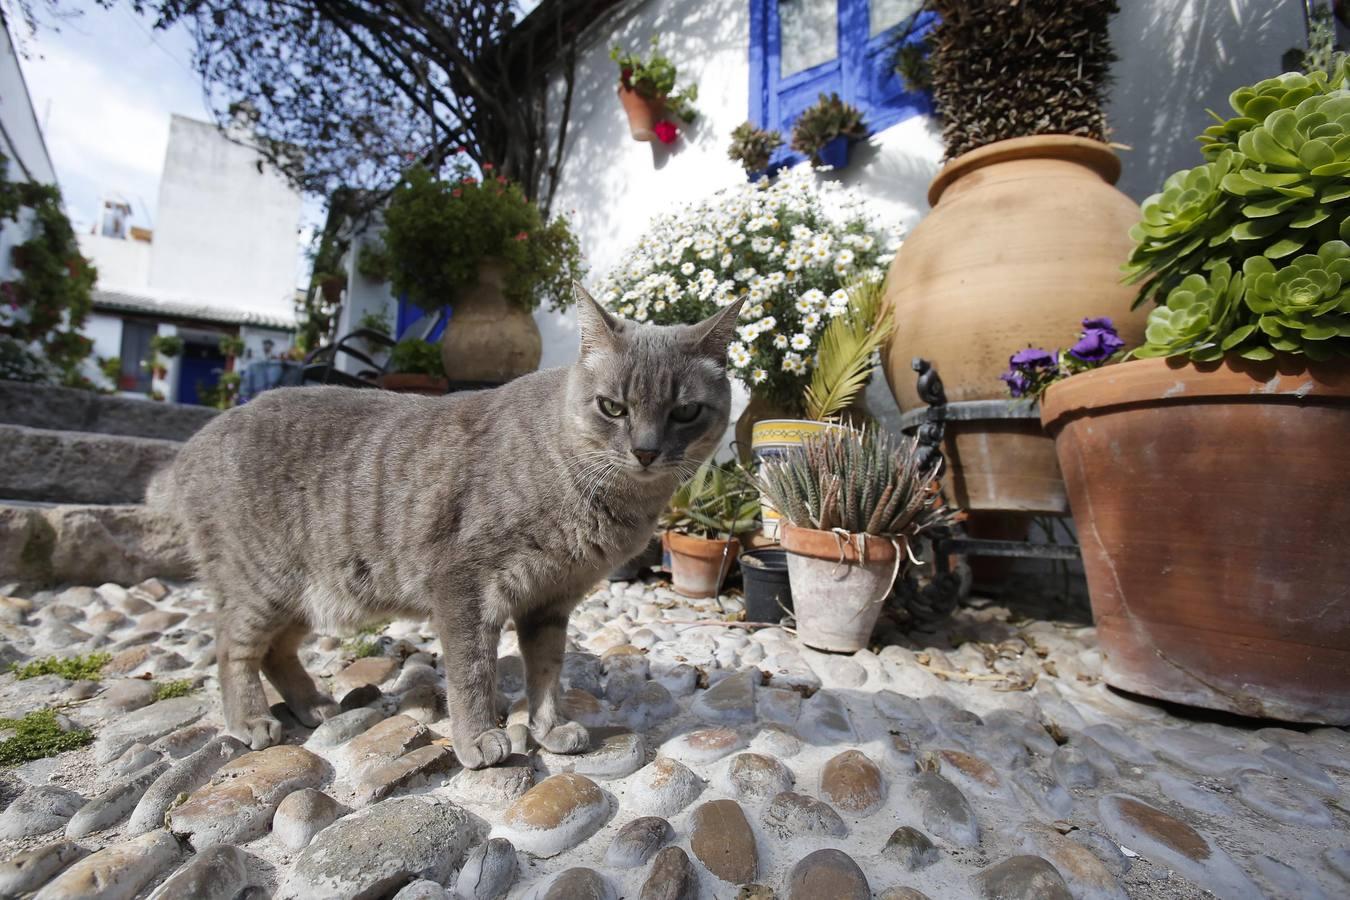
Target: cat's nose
x=646 y=457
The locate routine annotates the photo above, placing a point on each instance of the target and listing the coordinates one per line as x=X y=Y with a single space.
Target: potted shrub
x=483 y=248
x=647 y=91
x=415 y=367
x=824 y=131
x=704 y=518
x=1207 y=476
x=853 y=500
x=846 y=354
x=753 y=148
x=1020 y=91
x=695 y=260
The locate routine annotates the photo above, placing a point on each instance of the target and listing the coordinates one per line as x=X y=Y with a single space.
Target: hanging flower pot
x=839 y=582
x=835 y=153
x=698 y=566
x=642 y=113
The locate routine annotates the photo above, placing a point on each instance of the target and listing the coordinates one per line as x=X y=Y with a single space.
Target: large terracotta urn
x=1212 y=508
x=1025 y=240
x=489 y=339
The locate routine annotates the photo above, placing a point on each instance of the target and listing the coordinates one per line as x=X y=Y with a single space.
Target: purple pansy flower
x=1032 y=358
x=1097 y=345
x=1018 y=383
x=1102 y=322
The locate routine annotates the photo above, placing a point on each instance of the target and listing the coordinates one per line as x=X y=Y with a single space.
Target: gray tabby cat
x=327 y=508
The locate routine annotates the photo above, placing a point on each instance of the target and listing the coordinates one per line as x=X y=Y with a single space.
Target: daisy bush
x=791 y=246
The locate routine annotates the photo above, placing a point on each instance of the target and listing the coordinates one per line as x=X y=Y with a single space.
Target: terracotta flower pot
x=698 y=566
x=1212 y=507
x=489 y=339
x=839 y=584
x=410 y=383
x=1025 y=240
x=642 y=113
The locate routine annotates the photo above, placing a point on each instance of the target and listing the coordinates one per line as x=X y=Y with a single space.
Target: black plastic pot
x=765 y=576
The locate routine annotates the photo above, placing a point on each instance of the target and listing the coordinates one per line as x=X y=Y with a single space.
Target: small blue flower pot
x=835 y=153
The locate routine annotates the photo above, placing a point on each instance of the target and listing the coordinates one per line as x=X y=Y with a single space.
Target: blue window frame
x=859 y=68
x=410 y=316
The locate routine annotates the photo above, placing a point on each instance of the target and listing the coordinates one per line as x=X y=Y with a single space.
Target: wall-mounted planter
x=835 y=153
x=643 y=112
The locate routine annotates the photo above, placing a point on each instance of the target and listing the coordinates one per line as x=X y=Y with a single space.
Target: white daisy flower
x=811 y=322
x=780 y=341
x=687 y=269
x=758 y=376
x=800 y=341
x=749 y=332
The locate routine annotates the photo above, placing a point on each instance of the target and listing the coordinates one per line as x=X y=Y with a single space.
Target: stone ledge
x=78 y=467
x=89 y=545
x=67 y=409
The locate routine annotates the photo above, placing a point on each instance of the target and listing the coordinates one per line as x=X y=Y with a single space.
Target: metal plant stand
x=948 y=587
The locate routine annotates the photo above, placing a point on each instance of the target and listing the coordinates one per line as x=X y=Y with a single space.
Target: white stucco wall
x=122 y=264
x=225 y=232
x=106 y=333
x=21 y=143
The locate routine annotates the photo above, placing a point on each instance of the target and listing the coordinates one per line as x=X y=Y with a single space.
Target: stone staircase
x=74 y=466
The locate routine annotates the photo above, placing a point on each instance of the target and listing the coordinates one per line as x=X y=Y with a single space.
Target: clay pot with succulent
x=703 y=521
x=824 y=131
x=655 y=107
x=1207 y=475
x=753 y=148
x=854 y=499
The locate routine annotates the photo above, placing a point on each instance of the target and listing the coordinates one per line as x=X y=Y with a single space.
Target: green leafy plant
x=75 y=668
x=654 y=78
x=829 y=118
x=111 y=367
x=1002 y=70
x=179 y=687
x=231 y=346
x=364 y=643
x=437 y=232
x=859 y=479
x=43 y=309
x=412 y=356
x=1246 y=253
x=376 y=321
x=752 y=147
x=848 y=349
x=167 y=345
x=37 y=736
x=718 y=502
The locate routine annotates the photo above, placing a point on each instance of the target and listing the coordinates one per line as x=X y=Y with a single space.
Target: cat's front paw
x=569 y=737
x=488 y=749
x=259 y=732
x=315 y=714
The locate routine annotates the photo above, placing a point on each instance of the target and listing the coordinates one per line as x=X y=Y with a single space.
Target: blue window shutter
x=862 y=74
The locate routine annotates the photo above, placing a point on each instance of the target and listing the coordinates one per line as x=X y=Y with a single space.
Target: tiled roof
x=188 y=308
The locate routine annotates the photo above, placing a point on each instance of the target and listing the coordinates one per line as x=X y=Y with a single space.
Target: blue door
x=198 y=370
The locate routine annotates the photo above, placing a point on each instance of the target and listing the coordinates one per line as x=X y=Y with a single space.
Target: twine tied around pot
x=842 y=535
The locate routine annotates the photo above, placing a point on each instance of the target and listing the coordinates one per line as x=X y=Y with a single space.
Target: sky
x=104 y=85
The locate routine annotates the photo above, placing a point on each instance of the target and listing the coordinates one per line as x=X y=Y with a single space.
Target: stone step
x=67 y=409
x=77 y=466
x=47 y=545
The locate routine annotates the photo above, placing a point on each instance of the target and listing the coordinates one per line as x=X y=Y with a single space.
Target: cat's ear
x=599 y=329
x=713 y=334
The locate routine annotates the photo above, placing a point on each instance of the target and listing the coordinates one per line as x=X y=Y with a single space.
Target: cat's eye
x=611 y=408
x=686 y=412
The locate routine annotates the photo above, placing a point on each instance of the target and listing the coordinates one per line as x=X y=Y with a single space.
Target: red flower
x=456 y=193
x=469 y=179
x=666 y=132
x=501 y=179
x=487 y=167
x=523 y=236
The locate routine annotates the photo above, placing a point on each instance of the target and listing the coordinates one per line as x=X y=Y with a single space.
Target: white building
x=764 y=60
x=219 y=261
x=22 y=145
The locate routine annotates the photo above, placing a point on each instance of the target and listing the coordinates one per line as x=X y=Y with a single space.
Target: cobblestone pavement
x=982 y=760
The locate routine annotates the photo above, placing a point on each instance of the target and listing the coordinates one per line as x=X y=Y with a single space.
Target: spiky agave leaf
x=847 y=346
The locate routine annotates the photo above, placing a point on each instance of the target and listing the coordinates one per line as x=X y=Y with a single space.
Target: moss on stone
x=167 y=690
x=37 y=736
x=75 y=668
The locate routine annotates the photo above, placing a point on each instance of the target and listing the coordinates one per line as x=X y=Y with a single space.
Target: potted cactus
x=823 y=132
x=854 y=499
x=1207 y=476
x=703 y=520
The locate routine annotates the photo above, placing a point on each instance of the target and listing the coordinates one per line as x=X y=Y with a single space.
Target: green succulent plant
x=717 y=502
x=1275 y=184
x=752 y=147
x=1305 y=306
x=828 y=118
x=1196 y=318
